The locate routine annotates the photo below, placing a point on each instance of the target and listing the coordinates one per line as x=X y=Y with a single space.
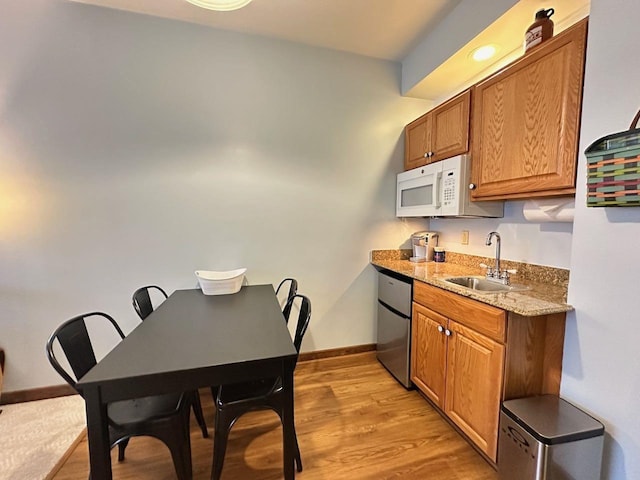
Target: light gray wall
x=521 y=240
x=136 y=150
x=601 y=360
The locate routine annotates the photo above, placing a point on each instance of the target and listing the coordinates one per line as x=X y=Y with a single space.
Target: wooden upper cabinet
x=450 y=127
x=417 y=141
x=440 y=133
x=527 y=120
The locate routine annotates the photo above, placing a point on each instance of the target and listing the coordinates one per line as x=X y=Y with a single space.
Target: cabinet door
x=450 y=129
x=417 y=138
x=526 y=122
x=428 y=355
x=474 y=385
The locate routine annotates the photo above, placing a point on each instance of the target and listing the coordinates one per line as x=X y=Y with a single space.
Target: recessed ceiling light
x=220 y=5
x=483 y=53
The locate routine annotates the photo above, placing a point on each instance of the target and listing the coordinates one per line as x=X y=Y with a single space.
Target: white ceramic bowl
x=220 y=283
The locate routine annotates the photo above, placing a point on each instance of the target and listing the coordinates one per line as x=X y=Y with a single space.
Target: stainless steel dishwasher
x=394 y=325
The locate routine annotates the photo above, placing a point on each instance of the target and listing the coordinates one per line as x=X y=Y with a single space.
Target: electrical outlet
x=464 y=240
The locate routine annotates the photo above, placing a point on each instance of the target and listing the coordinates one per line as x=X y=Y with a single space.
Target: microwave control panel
x=449 y=181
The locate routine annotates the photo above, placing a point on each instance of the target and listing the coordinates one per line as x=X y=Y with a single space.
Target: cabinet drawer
x=483 y=318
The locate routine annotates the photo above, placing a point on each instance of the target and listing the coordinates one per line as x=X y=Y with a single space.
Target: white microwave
x=441 y=189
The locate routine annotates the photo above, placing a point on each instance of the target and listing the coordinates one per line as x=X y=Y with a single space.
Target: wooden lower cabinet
x=428 y=361
x=467 y=357
x=474 y=385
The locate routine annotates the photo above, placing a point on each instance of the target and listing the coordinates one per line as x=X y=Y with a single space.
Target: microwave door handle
x=436 y=190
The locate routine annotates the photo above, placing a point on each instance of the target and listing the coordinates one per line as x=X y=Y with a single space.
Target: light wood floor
x=354 y=421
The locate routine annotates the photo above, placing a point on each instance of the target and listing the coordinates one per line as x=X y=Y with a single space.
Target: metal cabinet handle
x=426 y=154
x=448 y=332
x=472 y=186
x=440 y=328
x=431 y=154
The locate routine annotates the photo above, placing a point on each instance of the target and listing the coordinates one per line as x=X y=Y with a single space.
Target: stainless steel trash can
x=547 y=438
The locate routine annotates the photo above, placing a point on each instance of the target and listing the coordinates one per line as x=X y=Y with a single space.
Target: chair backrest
x=141 y=300
x=293 y=289
x=73 y=338
x=304 y=315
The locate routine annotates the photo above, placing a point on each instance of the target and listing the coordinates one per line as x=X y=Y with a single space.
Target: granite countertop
x=547 y=286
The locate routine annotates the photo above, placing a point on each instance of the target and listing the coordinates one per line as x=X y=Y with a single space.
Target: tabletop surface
x=191 y=331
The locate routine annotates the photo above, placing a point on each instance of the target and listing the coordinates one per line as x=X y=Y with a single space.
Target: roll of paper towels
x=549 y=210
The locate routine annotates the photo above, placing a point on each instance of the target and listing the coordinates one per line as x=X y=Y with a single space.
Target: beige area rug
x=37 y=437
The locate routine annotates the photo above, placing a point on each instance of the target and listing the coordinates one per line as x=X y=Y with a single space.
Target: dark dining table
x=190 y=341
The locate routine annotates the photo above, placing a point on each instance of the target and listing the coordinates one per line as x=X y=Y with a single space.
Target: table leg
x=98 y=435
x=288 y=421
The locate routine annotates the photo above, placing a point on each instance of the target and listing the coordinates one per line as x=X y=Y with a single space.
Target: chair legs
x=225 y=418
x=298 y=459
x=197 y=411
x=175 y=433
x=180 y=447
x=220 y=436
x=295 y=439
x=121 y=447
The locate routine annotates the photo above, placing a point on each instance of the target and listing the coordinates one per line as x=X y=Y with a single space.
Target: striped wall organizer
x=613 y=169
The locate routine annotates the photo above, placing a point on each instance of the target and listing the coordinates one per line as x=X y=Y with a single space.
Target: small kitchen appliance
x=393 y=348
x=442 y=189
x=422 y=244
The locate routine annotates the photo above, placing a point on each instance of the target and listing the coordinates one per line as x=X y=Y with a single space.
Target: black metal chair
x=142 y=300
x=143 y=306
x=165 y=417
x=293 y=289
x=234 y=400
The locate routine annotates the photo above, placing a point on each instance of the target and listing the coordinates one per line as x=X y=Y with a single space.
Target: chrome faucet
x=496 y=269
x=495 y=274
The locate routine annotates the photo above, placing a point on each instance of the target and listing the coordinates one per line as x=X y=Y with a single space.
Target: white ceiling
x=375 y=28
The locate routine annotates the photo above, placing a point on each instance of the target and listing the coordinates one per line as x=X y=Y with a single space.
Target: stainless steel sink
x=482 y=285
